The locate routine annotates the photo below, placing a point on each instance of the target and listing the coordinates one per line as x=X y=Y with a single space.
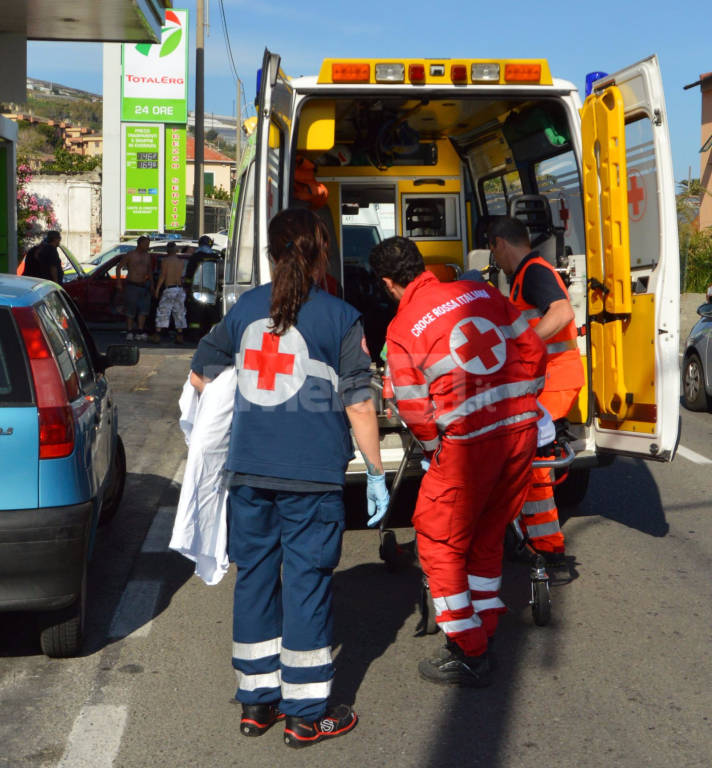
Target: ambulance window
x=497 y=190
x=245 y=237
x=431 y=217
x=643 y=214
x=557 y=178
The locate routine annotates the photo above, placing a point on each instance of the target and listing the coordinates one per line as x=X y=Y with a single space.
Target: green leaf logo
x=171 y=43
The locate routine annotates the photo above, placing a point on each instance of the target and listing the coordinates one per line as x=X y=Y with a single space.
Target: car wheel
x=573 y=490
x=115 y=488
x=62 y=632
x=693 y=384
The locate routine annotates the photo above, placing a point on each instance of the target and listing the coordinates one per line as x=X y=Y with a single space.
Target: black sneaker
x=299 y=732
x=258 y=718
x=451 y=667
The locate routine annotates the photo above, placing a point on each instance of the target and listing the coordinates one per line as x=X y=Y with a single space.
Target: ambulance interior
x=437 y=170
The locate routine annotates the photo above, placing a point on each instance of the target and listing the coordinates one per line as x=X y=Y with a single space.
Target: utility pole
x=238 y=130
x=198 y=182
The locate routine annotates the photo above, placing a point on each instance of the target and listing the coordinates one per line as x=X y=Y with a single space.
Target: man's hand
x=199 y=381
x=377 y=498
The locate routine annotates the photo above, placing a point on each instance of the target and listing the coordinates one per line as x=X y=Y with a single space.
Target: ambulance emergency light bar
x=425 y=72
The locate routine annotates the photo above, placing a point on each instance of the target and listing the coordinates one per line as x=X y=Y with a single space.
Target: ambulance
x=433 y=149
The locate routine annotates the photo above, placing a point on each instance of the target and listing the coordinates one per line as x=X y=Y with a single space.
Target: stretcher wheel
x=541 y=603
x=388 y=550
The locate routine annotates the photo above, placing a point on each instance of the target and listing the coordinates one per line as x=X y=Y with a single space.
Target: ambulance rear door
x=273 y=127
x=633 y=290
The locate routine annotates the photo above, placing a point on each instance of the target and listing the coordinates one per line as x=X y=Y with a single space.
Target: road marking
x=159 y=534
x=698 y=458
x=136 y=609
x=95 y=737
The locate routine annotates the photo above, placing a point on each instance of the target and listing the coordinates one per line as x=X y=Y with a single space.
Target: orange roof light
x=522 y=73
x=350 y=72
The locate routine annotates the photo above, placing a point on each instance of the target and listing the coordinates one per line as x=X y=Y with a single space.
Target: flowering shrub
x=35 y=215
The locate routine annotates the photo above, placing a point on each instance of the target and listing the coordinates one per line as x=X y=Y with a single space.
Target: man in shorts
x=172 y=301
x=138 y=287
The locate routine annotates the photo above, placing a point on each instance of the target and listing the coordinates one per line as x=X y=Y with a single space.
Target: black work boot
x=451 y=667
x=299 y=732
x=258 y=718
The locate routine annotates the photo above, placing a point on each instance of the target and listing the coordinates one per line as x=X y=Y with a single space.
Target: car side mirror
x=705 y=310
x=120 y=354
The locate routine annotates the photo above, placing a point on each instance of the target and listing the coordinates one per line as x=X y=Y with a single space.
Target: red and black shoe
x=258 y=718
x=299 y=732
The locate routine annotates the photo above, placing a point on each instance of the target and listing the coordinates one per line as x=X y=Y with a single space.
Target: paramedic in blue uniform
x=303 y=377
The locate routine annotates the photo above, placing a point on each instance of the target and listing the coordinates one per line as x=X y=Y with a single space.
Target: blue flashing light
x=259 y=83
x=591 y=78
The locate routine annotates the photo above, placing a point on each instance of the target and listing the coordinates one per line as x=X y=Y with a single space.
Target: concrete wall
x=76 y=201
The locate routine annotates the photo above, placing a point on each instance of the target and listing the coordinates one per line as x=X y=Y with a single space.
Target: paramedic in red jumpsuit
x=538 y=292
x=466 y=370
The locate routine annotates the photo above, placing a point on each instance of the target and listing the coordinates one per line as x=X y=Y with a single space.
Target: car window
x=72 y=336
x=58 y=342
x=14 y=377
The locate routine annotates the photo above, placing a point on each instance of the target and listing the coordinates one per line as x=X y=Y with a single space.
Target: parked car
x=697 y=363
x=99 y=299
x=62 y=462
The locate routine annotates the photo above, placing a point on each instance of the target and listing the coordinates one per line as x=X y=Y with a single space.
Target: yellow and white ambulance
x=432 y=149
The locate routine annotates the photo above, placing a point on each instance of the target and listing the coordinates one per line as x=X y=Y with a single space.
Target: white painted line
x=698 y=458
x=135 y=611
x=159 y=534
x=95 y=737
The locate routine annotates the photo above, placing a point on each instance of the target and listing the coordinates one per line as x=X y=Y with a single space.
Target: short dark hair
x=510 y=229
x=53 y=235
x=205 y=240
x=397 y=258
x=170 y=246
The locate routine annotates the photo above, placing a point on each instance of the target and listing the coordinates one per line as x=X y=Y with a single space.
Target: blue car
x=697 y=363
x=62 y=462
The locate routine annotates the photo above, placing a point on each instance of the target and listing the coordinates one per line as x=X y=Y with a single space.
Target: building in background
x=218 y=169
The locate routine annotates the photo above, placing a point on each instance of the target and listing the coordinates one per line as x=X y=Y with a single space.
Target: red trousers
x=467 y=498
x=540 y=517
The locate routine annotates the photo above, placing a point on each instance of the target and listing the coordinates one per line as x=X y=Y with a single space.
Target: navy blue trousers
x=285 y=546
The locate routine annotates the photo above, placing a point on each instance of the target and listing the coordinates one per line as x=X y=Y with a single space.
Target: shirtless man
x=139 y=287
x=173 y=299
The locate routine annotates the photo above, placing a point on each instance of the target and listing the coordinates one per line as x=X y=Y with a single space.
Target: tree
x=35 y=215
x=67 y=162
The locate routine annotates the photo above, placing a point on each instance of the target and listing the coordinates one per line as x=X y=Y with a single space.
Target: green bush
x=698 y=262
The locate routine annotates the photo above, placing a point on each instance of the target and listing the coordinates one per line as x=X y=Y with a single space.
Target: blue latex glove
x=425 y=464
x=377 y=497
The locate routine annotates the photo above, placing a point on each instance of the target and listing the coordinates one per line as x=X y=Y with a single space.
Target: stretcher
x=396 y=556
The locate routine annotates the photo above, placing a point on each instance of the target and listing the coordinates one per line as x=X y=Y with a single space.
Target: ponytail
x=299 y=248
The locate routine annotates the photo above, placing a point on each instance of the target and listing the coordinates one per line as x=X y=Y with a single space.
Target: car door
x=102 y=300
x=632 y=264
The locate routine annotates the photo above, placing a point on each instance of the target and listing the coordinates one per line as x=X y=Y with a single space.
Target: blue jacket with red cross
x=289 y=419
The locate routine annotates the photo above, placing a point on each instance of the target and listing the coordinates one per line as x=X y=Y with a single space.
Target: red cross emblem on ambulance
x=478 y=345
x=271 y=368
x=637 y=202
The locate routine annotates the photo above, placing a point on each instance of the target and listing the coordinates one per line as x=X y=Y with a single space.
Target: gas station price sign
x=142 y=177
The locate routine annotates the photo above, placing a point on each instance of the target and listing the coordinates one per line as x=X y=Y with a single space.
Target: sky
x=576 y=38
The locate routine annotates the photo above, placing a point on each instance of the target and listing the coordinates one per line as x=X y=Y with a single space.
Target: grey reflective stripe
x=253 y=682
x=516 y=329
x=461 y=625
x=451 y=602
x=322 y=371
x=502 y=423
x=440 y=368
x=252 y=651
x=545 y=529
x=531 y=313
x=306 y=690
x=561 y=346
x=489 y=397
x=430 y=445
x=411 y=391
x=489 y=604
x=483 y=583
x=316 y=658
x=535 y=507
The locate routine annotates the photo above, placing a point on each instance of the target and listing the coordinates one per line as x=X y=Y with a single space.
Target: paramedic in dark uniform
x=540 y=295
x=303 y=376
x=466 y=371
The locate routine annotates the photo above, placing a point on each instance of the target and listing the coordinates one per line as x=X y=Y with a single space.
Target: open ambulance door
x=273 y=125
x=632 y=261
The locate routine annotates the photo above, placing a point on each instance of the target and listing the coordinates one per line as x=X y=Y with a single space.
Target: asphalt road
x=620 y=677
